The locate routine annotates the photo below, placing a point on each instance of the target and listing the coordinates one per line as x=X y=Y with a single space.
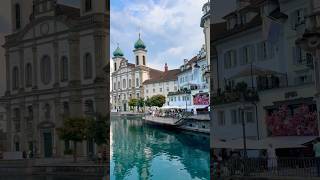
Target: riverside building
x=278 y=74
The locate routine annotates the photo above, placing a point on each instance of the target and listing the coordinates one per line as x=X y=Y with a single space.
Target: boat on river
x=175 y=117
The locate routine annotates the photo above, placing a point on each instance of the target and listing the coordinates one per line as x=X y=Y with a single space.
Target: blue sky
x=170 y=29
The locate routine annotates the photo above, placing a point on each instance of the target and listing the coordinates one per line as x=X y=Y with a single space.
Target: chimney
x=165 y=67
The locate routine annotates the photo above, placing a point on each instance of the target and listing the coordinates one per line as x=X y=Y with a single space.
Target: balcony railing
x=272 y=167
x=249 y=95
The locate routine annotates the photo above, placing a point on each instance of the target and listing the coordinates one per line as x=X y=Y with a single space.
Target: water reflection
x=142 y=152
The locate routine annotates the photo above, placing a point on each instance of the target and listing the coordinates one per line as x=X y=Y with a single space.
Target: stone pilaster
x=100 y=51
x=35 y=122
x=21 y=69
x=8 y=72
x=9 y=127
x=35 y=67
x=75 y=75
x=56 y=63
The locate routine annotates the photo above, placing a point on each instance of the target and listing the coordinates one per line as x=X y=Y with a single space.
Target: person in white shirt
x=272 y=158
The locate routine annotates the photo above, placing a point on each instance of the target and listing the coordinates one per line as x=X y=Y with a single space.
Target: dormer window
x=88 y=5
x=18 y=16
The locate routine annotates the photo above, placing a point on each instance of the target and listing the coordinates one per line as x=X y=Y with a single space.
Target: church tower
x=117 y=58
x=94 y=7
x=21 y=10
x=140 y=53
x=44 y=8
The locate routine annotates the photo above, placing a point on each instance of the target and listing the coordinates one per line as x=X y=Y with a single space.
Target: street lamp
x=242 y=101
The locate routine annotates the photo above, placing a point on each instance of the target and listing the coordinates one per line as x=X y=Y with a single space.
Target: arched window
x=45 y=69
x=115 y=66
x=64 y=69
x=88 y=5
x=15 y=78
x=18 y=16
x=137 y=60
x=124 y=83
x=87 y=66
x=28 y=75
x=144 y=60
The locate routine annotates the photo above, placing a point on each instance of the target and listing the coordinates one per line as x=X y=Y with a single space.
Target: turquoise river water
x=141 y=152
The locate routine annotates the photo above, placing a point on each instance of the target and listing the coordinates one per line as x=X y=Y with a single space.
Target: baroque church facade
x=128 y=78
x=56 y=63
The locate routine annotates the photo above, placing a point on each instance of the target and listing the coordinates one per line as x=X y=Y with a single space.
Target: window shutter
x=270 y=51
x=241 y=58
x=260 y=51
x=235 y=58
x=252 y=53
x=293 y=17
x=295 y=55
x=226 y=60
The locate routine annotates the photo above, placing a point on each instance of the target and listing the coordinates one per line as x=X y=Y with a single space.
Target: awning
x=171 y=107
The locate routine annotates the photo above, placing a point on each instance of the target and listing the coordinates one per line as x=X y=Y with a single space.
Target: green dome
x=118 y=52
x=139 y=44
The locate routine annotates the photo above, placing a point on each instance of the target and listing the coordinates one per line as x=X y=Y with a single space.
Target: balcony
x=238 y=94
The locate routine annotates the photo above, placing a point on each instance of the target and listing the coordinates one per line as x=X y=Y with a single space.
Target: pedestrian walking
x=272 y=158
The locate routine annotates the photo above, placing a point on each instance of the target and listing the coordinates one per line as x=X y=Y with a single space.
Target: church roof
x=118 y=52
x=170 y=75
x=139 y=44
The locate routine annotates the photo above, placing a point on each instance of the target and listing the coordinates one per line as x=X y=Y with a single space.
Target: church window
x=46 y=70
x=15 y=78
x=18 y=16
x=88 y=5
x=115 y=66
x=137 y=60
x=144 y=60
x=87 y=66
x=124 y=83
x=28 y=75
x=137 y=82
x=64 y=69
x=129 y=83
x=119 y=85
x=114 y=86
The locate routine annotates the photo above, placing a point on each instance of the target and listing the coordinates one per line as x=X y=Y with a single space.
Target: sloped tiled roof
x=221 y=32
x=170 y=75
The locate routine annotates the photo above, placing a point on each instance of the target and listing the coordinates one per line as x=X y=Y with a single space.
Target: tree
x=158 y=100
x=133 y=102
x=140 y=103
x=98 y=130
x=147 y=102
x=73 y=129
